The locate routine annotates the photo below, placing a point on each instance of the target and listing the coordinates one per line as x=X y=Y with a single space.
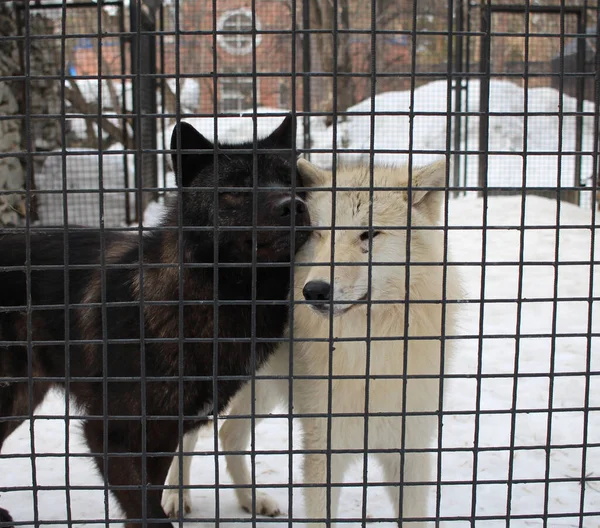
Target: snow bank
x=506 y=132
x=82 y=199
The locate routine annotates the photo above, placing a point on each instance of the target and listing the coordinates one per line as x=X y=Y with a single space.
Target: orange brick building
x=250 y=67
x=233 y=52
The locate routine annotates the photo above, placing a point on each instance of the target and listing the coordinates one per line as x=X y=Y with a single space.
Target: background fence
x=513 y=68
x=90 y=93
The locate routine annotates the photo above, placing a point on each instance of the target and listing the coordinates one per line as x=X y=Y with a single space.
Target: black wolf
x=140 y=338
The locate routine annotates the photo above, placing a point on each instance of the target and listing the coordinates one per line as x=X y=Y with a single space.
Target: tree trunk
x=12 y=172
x=44 y=98
x=322 y=16
x=44 y=60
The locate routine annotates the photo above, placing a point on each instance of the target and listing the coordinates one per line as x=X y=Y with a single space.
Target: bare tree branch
x=80 y=105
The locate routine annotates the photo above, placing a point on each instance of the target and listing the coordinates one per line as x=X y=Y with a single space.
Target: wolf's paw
x=170 y=502
x=5 y=519
x=265 y=505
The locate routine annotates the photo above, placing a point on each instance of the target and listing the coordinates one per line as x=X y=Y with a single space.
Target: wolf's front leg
x=414 y=495
x=317 y=495
x=416 y=475
x=235 y=438
x=170 y=498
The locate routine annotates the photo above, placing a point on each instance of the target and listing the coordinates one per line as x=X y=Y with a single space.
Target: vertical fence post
x=306 y=68
x=124 y=109
x=580 y=95
x=458 y=68
x=484 y=95
x=143 y=68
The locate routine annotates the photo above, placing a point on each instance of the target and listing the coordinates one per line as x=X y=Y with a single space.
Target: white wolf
x=401 y=420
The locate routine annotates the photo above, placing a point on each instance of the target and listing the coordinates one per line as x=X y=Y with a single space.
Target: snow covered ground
x=496 y=356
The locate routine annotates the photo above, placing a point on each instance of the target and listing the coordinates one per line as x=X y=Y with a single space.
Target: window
x=237 y=28
x=236 y=94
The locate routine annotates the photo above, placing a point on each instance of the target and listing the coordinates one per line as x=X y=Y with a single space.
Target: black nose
x=317 y=291
x=297 y=207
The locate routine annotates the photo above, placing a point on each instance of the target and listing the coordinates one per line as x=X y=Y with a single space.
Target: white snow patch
x=547 y=139
x=85 y=178
x=189 y=93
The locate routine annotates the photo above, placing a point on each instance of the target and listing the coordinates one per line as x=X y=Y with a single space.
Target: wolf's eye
x=233 y=199
x=365 y=235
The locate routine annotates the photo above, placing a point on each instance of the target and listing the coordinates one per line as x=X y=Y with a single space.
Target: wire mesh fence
x=300 y=261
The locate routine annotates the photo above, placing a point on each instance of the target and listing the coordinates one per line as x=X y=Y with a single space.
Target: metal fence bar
x=91 y=97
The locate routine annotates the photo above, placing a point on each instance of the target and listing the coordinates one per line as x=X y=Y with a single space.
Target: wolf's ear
x=312 y=176
x=282 y=137
x=427 y=182
x=191 y=163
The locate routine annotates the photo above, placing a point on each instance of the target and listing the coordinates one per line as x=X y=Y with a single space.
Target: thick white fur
x=422 y=357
